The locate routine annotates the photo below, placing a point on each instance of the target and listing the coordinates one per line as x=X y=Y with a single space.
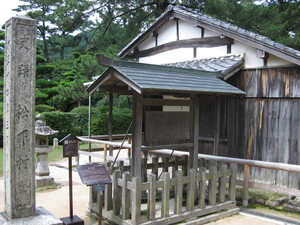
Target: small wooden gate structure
x=177 y=196
x=149 y=85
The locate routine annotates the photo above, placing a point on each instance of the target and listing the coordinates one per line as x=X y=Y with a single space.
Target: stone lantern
x=42 y=132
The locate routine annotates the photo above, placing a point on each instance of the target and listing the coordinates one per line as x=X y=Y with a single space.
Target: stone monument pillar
x=19 y=110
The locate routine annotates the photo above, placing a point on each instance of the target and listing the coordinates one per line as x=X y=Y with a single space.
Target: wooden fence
x=172 y=198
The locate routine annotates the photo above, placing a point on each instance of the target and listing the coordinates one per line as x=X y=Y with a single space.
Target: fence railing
x=172 y=198
x=248 y=164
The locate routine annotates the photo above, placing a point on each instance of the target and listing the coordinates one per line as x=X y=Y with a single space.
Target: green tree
x=42 y=11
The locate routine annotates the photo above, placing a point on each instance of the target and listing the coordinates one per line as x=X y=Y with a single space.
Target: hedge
x=61 y=121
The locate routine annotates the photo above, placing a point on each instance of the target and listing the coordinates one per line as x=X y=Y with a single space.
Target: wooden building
x=263 y=124
x=203 y=86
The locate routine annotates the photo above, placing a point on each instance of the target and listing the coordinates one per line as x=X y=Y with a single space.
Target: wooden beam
x=166 y=102
x=171 y=146
x=194 y=150
x=110 y=119
x=217 y=125
x=137 y=135
x=189 y=43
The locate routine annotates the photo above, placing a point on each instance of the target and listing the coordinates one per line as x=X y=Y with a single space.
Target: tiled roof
x=226 y=65
x=227 y=29
x=233 y=28
x=146 y=77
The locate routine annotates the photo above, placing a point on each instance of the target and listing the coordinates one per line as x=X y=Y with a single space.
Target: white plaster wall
x=187 y=30
x=203 y=53
x=148 y=43
x=167 y=33
x=210 y=33
x=176 y=55
x=276 y=61
x=251 y=59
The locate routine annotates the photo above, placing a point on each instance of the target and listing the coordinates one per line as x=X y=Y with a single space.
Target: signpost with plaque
x=70 y=149
x=95 y=175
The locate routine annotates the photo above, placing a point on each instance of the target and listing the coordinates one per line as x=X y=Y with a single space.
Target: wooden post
x=165 y=195
x=155 y=166
x=194 y=150
x=136 y=199
x=222 y=182
x=232 y=182
x=191 y=190
x=108 y=191
x=178 y=196
x=100 y=199
x=144 y=169
x=212 y=189
x=137 y=135
x=202 y=189
x=105 y=152
x=110 y=119
x=129 y=149
x=151 y=197
x=247 y=170
x=70 y=188
x=117 y=193
x=126 y=197
x=217 y=126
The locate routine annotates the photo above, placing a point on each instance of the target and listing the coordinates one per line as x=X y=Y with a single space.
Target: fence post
x=247 y=170
x=202 y=188
x=126 y=196
x=165 y=164
x=116 y=193
x=191 y=191
x=129 y=149
x=155 y=166
x=232 y=182
x=178 y=195
x=105 y=152
x=151 y=197
x=222 y=182
x=165 y=195
x=212 y=187
x=144 y=169
x=136 y=199
x=108 y=191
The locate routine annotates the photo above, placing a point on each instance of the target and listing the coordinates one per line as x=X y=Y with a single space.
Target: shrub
x=44 y=69
x=40 y=59
x=61 y=121
x=44 y=108
x=41 y=83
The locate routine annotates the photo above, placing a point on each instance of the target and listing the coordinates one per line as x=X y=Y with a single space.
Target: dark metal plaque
x=70 y=147
x=92 y=174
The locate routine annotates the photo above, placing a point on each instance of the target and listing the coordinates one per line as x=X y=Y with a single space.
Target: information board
x=70 y=146
x=92 y=174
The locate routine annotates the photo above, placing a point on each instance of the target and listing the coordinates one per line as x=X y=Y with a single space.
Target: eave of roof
x=227 y=29
x=226 y=65
x=146 y=77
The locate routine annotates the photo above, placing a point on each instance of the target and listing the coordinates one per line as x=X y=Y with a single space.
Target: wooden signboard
x=70 y=146
x=92 y=174
x=166 y=126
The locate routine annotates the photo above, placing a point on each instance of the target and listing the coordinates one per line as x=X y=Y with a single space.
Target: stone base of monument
x=75 y=221
x=41 y=181
x=42 y=217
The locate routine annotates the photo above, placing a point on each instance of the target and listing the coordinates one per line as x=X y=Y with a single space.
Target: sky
x=6 y=10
